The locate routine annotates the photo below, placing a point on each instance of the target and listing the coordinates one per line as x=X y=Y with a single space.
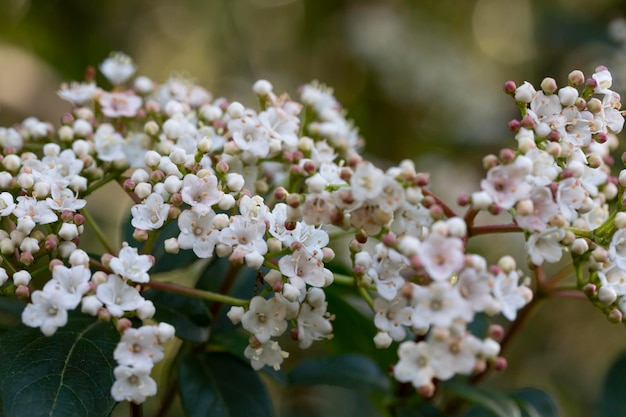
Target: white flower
x=197 y=233
x=117 y=68
x=78 y=93
x=37 y=210
x=64 y=199
x=118 y=297
x=392 y=316
x=6 y=203
x=108 y=143
x=313 y=321
x=367 y=182
x=245 y=235
x=438 y=304
x=139 y=347
x=617 y=249
x=45 y=311
x=132 y=384
x=268 y=353
x=302 y=268
x=613 y=277
x=545 y=246
x=130 y=265
x=414 y=365
x=70 y=284
x=150 y=214
x=510 y=294
x=119 y=104
x=265 y=318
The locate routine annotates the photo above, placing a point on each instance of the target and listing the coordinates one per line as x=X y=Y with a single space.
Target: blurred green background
x=421 y=79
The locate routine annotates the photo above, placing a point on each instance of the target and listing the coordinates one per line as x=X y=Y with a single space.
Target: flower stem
x=447 y=210
x=193 y=292
x=494 y=228
x=103 y=181
x=366 y=296
x=98 y=232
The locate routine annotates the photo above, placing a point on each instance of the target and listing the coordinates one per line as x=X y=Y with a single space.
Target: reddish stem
x=447 y=210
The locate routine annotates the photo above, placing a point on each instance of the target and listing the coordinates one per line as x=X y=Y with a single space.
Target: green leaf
x=218 y=384
x=353 y=330
x=613 y=397
x=348 y=371
x=418 y=410
x=235 y=343
x=68 y=374
x=536 y=403
x=496 y=403
x=163 y=261
x=188 y=315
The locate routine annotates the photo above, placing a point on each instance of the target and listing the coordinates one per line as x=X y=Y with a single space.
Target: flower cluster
x=276 y=190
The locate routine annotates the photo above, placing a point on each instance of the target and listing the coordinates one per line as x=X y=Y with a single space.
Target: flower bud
x=382 y=340
x=235 y=314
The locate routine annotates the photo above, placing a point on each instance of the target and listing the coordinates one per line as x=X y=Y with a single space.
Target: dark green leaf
x=235 y=343
x=418 y=410
x=218 y=384
x=188 y=315
x=479 y=325
x=536 y=403
x=613 y=397
x=498 y=404
x=348 y=371
x=68 y=374
x=163 y=261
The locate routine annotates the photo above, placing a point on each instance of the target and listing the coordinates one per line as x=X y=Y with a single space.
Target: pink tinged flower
x=302 y=268
x=604 y=81
x=132 y=384
x=6 y=204
x=511 y=296
x=132 y=266
x=442 y=256
x=414 y=364
x=117 y=68
x=64 y=199
x=367 y=182
x=139 y=348
x=269 y=353
x=151 y=213
x=439 y=304
x=45 y=311
x=197 y=233
x=545 y=246
x=570 y=197
x=313 y=324
x=476 y=287
x=201 y=193
x=78 y=93
x=544 y=209
x=70 y=284
x=392 y=316
x=118 y=297
x=244 y=235
x=545 y=105
x=38 y=210
x=120 y=104
x=506 y=184
x=617 y=249
x=265 y=318
x=613 y=118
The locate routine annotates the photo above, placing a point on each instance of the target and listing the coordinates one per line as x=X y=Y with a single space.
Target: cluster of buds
x=274 y=189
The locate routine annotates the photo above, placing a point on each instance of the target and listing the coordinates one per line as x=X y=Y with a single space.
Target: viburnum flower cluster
x=278 y=189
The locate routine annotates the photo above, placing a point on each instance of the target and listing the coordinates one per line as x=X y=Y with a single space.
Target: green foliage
x=188 y=315
x=163 y=261
x=218 y=384
x=68 y=374
x=348 y=371
x=613 y=398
